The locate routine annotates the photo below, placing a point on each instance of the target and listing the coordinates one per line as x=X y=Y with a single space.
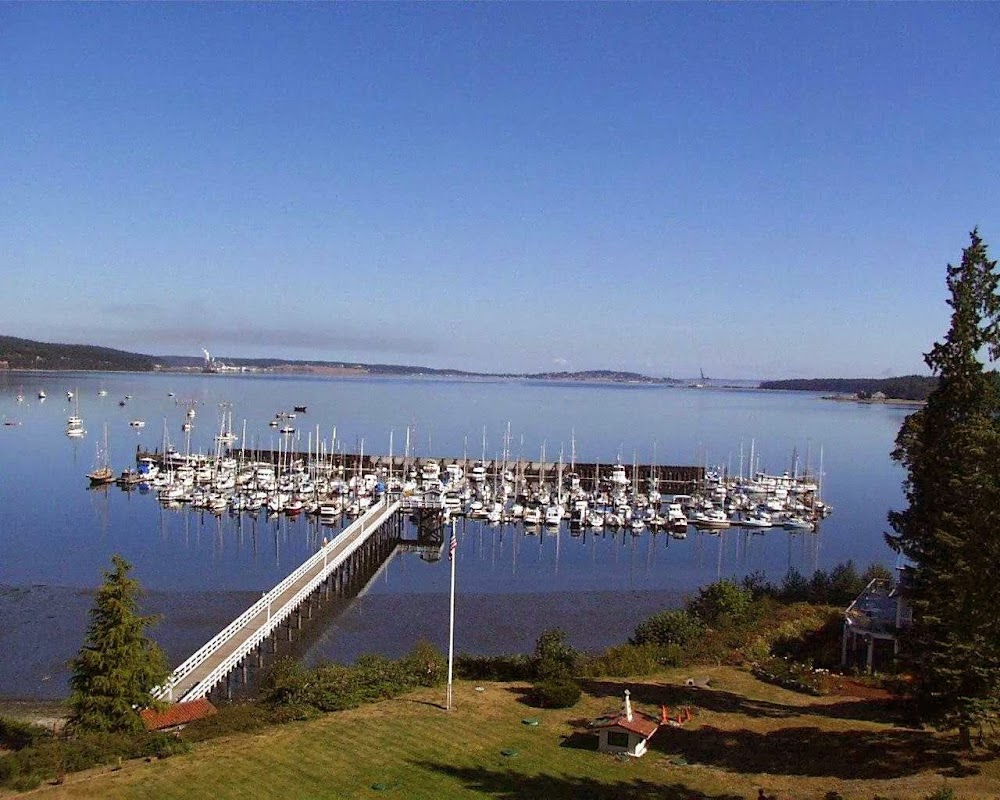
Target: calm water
x=200 y=571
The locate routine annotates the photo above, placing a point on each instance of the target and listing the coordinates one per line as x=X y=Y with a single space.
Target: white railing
x=347 y=542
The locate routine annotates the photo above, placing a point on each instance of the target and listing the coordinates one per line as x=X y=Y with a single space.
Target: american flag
x=452 y=546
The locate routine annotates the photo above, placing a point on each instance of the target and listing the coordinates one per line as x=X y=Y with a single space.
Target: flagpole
x=451 y=615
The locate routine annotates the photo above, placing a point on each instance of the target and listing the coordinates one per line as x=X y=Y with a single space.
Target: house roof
x=177 y=714
x=640 y=724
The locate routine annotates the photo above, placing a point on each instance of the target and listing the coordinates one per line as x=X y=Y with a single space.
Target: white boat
x=102 y=393
x=553 y=515
x=532 y=515
x=619 y=479
x=74 y=423
x=713 y=519
x=798 y=524
x=41 y=394
x=137 y=423
x=760 y=519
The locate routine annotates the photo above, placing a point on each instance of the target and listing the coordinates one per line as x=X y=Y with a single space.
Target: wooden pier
x=360 y=548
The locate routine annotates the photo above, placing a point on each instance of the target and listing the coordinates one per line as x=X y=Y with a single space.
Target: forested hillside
x=906 y=387
x=28 y=354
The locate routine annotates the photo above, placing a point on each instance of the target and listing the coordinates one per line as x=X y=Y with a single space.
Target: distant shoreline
x=888 y=401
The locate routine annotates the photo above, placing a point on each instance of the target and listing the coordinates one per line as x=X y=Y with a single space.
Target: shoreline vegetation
x=17 y=354
x=743 y=662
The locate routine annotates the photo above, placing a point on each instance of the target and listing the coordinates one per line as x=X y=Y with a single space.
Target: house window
x=617 y=739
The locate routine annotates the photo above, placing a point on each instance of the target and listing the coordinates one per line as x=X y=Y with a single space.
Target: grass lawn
x=745 y=735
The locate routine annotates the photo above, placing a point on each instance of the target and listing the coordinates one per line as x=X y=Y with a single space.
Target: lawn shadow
x=580 y=740
x=525 y=696
x=508 y=784
x=675 y=696
x=809 y=751
x=431 y=703
x=889 y=711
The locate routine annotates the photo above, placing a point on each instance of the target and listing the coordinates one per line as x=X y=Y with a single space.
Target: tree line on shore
x=905 y=387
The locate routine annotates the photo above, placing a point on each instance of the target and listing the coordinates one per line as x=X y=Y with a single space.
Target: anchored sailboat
x=101 y=474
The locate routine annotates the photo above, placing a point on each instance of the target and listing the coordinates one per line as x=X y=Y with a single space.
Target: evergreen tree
x=118 y=666
x=950 y=531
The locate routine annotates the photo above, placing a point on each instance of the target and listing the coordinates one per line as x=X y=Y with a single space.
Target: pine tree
x=950 y=531
x=118 y=665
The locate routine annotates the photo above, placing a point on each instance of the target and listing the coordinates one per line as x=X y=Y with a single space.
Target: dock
x=360 y=547
x=677 y=479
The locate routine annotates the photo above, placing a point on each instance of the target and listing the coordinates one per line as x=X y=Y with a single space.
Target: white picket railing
x=349 y=540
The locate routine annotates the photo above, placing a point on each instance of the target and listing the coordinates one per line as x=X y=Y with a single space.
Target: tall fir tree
x=950 y=531
x=118 y=666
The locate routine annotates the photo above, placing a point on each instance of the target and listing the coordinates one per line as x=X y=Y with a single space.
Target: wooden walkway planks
x=202 y=671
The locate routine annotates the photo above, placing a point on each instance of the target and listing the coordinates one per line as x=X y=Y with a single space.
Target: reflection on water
x=202 y=570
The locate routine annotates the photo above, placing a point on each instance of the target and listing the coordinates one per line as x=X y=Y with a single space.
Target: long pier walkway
x=334 y=562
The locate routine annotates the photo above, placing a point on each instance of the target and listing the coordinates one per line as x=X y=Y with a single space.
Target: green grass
x=745 y=735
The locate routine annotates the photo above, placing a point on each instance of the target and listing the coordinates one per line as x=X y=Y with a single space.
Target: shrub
x=626 y=660
x=757 y=584
x=300 y=692
x=722 y=604
x=495 y=668
x=10 y=768
x=845 y=585
x=425 y=665
x=557 y=692
x=668 y=627
x=49 y=758
x=285 y=682
x=794 y=587
x=813 y=638
x=240 y=718
x=25 y=783
x=789 y=675
x=16 y=733
x=553 y=656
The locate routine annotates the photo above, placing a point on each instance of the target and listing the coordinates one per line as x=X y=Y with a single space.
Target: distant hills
x=18 y=353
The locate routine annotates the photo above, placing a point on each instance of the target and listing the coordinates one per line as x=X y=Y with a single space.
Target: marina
x=582 y=495
x=204 y=566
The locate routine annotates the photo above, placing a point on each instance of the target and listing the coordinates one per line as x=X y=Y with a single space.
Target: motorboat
x=712 y=518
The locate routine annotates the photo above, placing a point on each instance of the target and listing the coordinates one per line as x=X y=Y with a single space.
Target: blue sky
x=765 y=190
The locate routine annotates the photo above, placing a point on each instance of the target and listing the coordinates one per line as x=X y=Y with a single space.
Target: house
x=872 y=624
x=176 y=715
x=625 y=731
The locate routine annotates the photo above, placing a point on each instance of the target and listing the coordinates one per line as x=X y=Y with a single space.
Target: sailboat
x=74 y=424
x=101 y=474
x=225 y=434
